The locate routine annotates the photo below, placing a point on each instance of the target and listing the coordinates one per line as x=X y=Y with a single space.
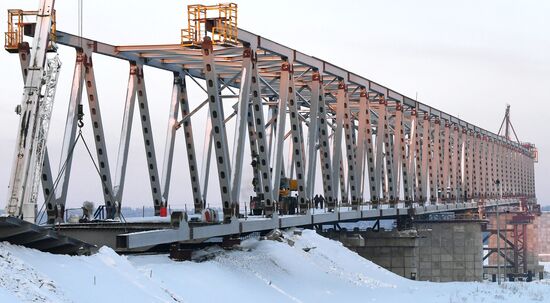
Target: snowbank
x=313 y=269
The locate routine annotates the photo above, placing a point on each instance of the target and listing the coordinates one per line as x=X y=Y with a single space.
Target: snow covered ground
x=313 y=269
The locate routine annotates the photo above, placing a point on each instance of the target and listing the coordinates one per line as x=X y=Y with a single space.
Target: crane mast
x=35 y=114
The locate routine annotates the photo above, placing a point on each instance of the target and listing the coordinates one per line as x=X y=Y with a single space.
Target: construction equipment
x=34 y=110
x=288 y=202
x=219 y=19
x=21 y=23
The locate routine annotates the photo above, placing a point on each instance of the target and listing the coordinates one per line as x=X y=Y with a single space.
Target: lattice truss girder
x=373 y=145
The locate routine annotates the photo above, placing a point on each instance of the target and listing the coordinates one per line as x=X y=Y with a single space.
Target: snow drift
x=302 y=268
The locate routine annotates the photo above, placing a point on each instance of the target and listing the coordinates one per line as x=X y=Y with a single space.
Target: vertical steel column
x=343 y=184
x=57 y=211
x=418 y=197
x=405 y=147
x=361 y=139
x=426 y=157
x=272 y=113
x=205 y=163
x=514 y=171
x=398 y=152
x=492 y=163
x=522 y=170
x=180 y=102
x=170 y=141
x=241 y=125
x=491 y=155
x=527 y=177
x=112 y=210
x=277 y=152
x=502 y=159
x=517 y=188
x=125 y=133
x=260 y=136
x=350 y=153
x=313 y=131
x=526 y=174
x=148 y=141
x=290 y=169
x=257 y=181
x=498 y=165
x=47 y=183
x=504 y=167
x=507 y=172
x=381 y=132
x=524 y=181
x=446 y=163
x=469 y=165
x=219 y=135
x=478 y=174
x=518 y=173
x=526 y=168
x=436 y=162
x=532 y=167
x=21 y=201
x=317 y=91
x=413 y=141
x=521 y=174
x=190 y=145
x=484 y=168
x=454 y=164
x=389 y=193
x=297 y=144
x=447 y=156
x=459 y=171
x=510 y=174
x=370 y=148
x=337 y=140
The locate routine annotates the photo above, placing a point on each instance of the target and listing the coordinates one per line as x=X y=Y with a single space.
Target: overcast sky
x=467 y=58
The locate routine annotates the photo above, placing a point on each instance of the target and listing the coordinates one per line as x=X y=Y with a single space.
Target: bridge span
x=381 y=154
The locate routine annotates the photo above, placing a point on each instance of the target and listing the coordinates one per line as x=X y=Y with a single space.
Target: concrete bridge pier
x=439 y=249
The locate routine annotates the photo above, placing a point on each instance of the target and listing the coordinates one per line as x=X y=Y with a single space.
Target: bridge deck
x=187 y=232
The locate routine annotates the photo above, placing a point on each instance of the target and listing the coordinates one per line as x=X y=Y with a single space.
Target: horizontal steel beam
x=134 y=53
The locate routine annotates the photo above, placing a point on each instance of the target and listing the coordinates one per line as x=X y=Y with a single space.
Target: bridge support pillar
x=450 y=250
x=543 y=236
x=434 y=250
x=396 y=251
x=520 y=238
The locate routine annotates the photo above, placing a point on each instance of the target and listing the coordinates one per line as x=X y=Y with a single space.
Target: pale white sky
x=468 y=58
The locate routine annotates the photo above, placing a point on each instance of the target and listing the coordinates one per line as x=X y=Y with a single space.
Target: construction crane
x=35 y=108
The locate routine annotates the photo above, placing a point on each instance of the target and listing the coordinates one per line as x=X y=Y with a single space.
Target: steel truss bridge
x=408 y=158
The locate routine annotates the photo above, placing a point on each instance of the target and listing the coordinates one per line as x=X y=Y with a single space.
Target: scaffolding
x=220 y=20
x=17 y=20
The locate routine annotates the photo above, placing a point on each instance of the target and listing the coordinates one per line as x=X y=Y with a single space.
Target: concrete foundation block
x=446 y=258
x=447 y=265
